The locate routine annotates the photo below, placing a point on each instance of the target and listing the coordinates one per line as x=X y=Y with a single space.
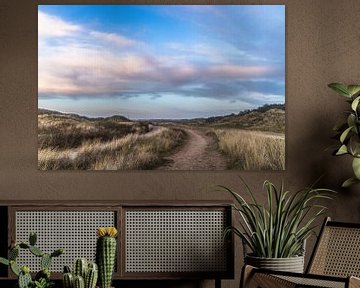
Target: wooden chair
x=335 y=262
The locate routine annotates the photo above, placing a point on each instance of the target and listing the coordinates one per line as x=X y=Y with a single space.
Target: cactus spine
x=106 y=254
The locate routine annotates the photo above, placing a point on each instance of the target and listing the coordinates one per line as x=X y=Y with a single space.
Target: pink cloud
x=238 y=71
x=113 y=38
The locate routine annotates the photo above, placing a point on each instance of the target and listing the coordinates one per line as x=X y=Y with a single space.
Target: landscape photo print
x=161 y=87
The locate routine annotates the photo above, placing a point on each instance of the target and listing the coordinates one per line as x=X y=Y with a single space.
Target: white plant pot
x=291 y=264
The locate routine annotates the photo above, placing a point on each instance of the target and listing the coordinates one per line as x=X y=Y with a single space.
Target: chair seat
x=335 y=262
x=268 y=279
x=314 y=282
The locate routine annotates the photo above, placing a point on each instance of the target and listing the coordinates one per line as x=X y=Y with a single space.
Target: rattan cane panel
x=175 y=241
x=338 y=253
x=75 y=231
x=312 y=282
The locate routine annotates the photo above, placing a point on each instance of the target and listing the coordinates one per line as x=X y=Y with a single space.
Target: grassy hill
x=269 y=118
x=62 y=130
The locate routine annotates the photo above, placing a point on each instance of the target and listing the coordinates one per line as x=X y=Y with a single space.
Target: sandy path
x=199 y=153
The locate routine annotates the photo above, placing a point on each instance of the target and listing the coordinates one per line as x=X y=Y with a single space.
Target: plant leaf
x=355 y=103
x=4 y=261
x=349 y=182
x=356 y=167
x=342 y=150
x=340 y=88
x=353 y=89
x=345 y=134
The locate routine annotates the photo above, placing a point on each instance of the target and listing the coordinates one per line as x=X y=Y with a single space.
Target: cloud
x=53 y=26
x=112 y=38
x=78 y=62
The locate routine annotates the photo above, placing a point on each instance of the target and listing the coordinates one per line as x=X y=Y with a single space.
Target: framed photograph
x=161 y=87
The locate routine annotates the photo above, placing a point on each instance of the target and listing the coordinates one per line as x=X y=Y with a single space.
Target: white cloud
x=53 y=26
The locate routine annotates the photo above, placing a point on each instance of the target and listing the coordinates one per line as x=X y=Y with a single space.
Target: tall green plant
x=279 y=229
x=349 y=131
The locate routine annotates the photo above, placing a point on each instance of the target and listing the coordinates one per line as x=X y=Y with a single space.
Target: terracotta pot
x=291 y=264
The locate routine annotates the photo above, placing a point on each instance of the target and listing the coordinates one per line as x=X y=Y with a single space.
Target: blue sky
x=160 y=61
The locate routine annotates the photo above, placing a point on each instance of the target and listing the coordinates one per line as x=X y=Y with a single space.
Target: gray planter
x=291 y=264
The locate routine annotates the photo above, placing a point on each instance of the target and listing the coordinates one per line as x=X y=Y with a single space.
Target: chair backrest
x=337 y=251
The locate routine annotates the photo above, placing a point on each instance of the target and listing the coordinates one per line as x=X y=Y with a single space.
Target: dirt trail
x=198 y=153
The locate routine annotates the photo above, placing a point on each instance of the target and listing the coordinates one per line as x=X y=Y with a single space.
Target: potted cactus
x=85 y=275
x=106 y=254
x=42 y=278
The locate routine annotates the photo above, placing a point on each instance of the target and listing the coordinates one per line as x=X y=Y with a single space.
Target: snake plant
x=348 y=132
x=279 y=228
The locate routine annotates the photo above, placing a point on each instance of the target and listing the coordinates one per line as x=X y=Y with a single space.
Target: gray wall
x=322 y=39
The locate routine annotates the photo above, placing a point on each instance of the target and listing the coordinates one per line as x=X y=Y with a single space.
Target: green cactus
x=80 y=267
x=14 y=268
x=42 y=278
x=36 y=251
x=57 y=252
x=45 y=261
x=87 y=272
x=13 y=253
x=24 y=245
x=67 y=269
x=105 y=255
x=79 y=282
x=32 y=238
x=24 y=280
x=91 y=276
x=44 y=273
x=68 y=280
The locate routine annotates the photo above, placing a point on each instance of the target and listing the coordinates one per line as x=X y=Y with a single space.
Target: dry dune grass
x=66 y=132
x=133 y=151
x=251 y=150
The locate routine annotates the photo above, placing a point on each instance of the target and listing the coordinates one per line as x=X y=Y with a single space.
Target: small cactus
x=88 y=273
x=14 y=268
x=32 y=238
x=57 y=252
x=80 y=268
x=24 y=278
x=68 y=280
x=13 y=253
x=106 y=254
x=44 y=273
x=91 y=276
x=36 y=251
x=45 y=261
x=79 y=282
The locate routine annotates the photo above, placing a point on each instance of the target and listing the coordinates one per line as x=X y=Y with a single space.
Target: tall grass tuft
x=133 y=151
x=251 y=150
